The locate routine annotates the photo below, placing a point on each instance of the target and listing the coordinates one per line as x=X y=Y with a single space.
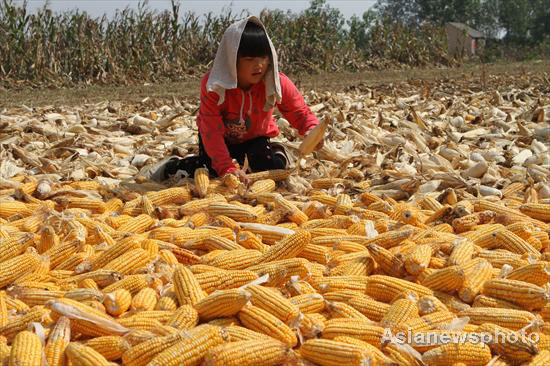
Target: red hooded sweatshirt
x=241 y=117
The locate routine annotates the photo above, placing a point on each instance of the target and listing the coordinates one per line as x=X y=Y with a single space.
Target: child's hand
x=239 y=173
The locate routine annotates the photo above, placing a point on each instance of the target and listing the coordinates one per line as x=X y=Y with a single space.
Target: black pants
x=262 y=155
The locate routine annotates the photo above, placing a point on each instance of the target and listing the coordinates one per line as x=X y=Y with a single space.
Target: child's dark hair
x=254 y=42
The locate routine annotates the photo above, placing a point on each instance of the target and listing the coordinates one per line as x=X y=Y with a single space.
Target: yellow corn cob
x=418 y=259
x=259 y=320
x=514 y=243
x=235 y=212
x=333 y=353
x=231 y=181
x=536 y=273
x=58 y=340
x=299 y=287
x=538 y=211
x=335 y=283
x=169 y=301
x=385 y=288
x=17 y=266
x=145 y=299
x=202 y=181
x=363 y=330
x=314 y=137
x=387 y=262
x=137 y=225
x=79 y=354
x=224 y=322
x=316 y=253
x=117 y=302
x=237 y=333
x=491 y=302
x=373 y=309
x=3 y=310
x=187 y=286
x=400 y=311
x=26 y=350
x=342 y=310
x=474 y=354
x=14 y=246
x=294 y=213
x=435 y=320
x=85 y=319
x=276 y=175
x=220 y=280
x=249 y=240
x=110 y=347
x=474 y=281
x=507 y=318
x=446 y=280
x=234 y=259
x=462 y=253
x=308 y=303
x=262 y=186
x=527 y=295
x=129 y=262
x=274 y=303
x=257 y=352
x=175 y=195
x=222 y=303
x=10 y=208
x=20 y=323
x=511 y=345
x=33 y=296
x=289 y=247
x=542 y=359
x=191 y=350
x=185 y=317
x=48 y=239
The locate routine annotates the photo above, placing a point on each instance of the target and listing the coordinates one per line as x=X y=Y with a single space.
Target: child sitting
x=237 y=99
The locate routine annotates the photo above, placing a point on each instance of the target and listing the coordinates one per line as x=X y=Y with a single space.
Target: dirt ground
x=480 y=76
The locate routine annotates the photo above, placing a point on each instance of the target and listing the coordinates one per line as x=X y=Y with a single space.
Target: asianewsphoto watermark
x=430 y=338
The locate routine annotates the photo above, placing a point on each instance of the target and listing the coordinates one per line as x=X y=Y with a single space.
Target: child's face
x=251 y=70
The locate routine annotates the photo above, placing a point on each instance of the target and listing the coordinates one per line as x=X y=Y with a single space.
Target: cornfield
x=44 y=48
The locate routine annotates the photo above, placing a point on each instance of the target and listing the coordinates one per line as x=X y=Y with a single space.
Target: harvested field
x=428 y=210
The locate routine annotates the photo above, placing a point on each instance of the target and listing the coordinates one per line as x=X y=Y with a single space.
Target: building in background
x=464 y=41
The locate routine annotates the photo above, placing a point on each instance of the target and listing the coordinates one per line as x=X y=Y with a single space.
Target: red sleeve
x=211 y=129
x=294 y=108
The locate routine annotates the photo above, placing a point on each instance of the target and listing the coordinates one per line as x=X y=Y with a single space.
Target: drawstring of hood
x=241 y=118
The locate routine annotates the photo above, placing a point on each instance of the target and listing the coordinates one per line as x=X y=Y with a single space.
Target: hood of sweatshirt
x=223 y=75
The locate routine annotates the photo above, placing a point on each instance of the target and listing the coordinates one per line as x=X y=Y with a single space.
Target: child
x=237 y=99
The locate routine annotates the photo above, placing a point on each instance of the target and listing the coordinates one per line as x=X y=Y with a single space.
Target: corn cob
x=474 y=354
x=222 y=303
x=289 y=247
x=538 y=211
x=79 y=354
x=259 y=320
x=388 y=263
x=191 y=350
x=308 y=303
x=128 y=262
x=110 y=347
x=85 y=319
x=542 y=359
x=333 y=353
x=342 y=310
x=117 y=302
x=507 y=318
x=511 y=345
x=202 y=181
x=187 y=287
x=251 y=352
x=276 y=175
x=426 y=322
x=220 y=280
x=363 y=330
x=58 y=340
x=26 y=350
x=385 y=288
x=274 y=303
x=235 y=212
x=536 y=273
x=237 y=333
x=491 y=302
x=474 y=281
x=234 y=259
x=15 y=267
x=527 y=295
x=185 y=317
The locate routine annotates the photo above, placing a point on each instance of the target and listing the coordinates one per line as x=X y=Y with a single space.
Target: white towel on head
x=223 y=75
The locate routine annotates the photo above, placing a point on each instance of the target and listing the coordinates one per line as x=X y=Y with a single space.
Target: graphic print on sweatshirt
x=235 y=129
